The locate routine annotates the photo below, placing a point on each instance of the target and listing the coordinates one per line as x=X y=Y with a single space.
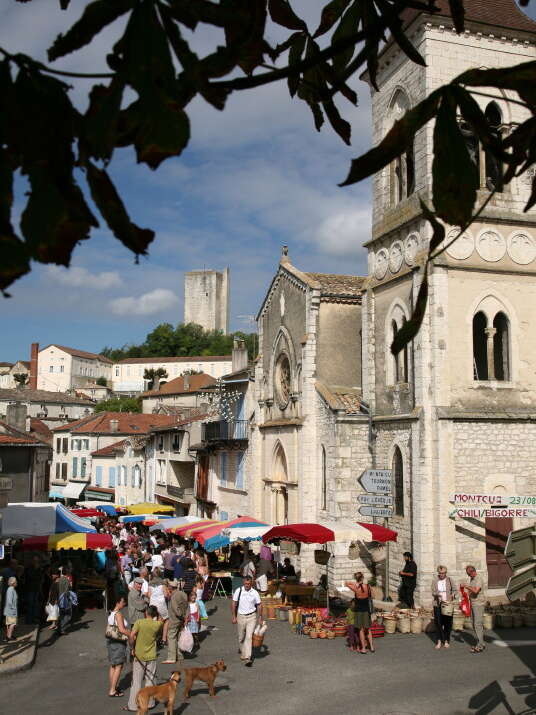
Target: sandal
x=117 y=694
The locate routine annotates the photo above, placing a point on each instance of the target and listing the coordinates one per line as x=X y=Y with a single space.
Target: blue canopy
x=41 y=519
x=107 y=509
x=142 y=517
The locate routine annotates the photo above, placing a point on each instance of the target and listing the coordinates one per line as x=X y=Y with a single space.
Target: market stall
x=215 y=536
x=40 y=519
x=136 y=518
x=173 y=522
x=149 y=508
x=87 y=513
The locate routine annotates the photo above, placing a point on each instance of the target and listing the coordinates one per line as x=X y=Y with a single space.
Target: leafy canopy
x=119 y=404
x=44 y=137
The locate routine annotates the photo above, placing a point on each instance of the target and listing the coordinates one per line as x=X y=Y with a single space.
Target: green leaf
x=163 y=131
x=457 y=12
x=100 y=123
x=348 y=26
x=246 y=38
x=410 y=329
x=395 y=142
x=532 y=198
x=15 y=260
x=438 y=234
x=55 y=218
x=96 y=16
x=330 y=14
x=109 y=203
x=282 y=14
x=520 y=78
x=370 y=17
x=455 y=176
x=294 y=56
x=340 y=125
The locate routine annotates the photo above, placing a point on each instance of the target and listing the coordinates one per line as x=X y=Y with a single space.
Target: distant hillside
x=182 y=341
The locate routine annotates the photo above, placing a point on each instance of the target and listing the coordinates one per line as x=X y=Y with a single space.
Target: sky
x=253 y=178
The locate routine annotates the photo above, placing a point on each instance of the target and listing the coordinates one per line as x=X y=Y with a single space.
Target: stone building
x=206 y=299
x=127 y=374
x=60 y=368
x=183 y=393
x=455 y=411
x=25 y=460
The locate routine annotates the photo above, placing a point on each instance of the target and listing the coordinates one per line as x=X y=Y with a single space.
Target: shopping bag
x=186 y=641
x=465 y=605
x=53 y=612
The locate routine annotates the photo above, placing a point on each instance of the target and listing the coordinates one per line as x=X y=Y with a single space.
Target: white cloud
x=343 y=233
x=155 y=301
x=78 y=277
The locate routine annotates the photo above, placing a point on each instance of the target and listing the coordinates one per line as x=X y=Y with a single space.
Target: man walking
x=137 y=603
x=177 y=609
x=246 y=608
x=475 y=587
x=64 y=601
x=144 y=637
x=408 y=582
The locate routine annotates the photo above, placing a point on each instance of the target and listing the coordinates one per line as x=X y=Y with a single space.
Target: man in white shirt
x=246 y=608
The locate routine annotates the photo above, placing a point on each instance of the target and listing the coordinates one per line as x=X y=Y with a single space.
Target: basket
x=390 y=624
x=416 y=625
x=377 y=630
x=458 y=621
x=404 y=625
x=257 y=640
x=322 y=557
x=487 y=621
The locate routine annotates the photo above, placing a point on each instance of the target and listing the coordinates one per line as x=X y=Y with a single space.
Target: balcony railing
x=224 y=430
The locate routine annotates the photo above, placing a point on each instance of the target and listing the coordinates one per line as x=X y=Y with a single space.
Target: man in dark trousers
x=408 y=580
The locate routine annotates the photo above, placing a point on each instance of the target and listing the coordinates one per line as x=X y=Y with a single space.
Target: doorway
x=497 y=531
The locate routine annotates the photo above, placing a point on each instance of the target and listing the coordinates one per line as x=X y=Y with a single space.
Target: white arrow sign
x=377 y=480
x=375 y=499
x=386 y=512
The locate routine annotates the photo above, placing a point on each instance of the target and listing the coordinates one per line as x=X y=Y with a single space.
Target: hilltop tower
x=206 y=299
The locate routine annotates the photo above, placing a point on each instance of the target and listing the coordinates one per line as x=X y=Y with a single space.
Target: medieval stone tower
x=206 y=299
x=456 y=411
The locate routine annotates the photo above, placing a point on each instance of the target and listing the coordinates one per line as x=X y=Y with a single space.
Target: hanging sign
x=377 y=481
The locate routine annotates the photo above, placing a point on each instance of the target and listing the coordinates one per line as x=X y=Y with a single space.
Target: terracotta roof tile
x=40 y=428
x=176 y=386
x=78 y=353
x=108 y=451
x=333 y=284
x=42 y=396
x=127 y=423
x=499 y=13
x=192 y=358
x=11 y=435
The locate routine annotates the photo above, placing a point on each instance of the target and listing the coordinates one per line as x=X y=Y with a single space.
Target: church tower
x=206 y=299
x=456 y=411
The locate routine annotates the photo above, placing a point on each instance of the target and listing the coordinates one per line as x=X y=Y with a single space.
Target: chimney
x=186 y=383
x=16 y=415
x=114 y=425
x=34 y=357
x=239 y=359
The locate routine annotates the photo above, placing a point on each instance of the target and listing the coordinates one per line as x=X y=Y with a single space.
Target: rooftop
x=127 y=423
x=78 y=353
x=498 y=13
x=182 y=358
x=42 y=396
x=333 y=284
x=108 y=451
x=12 y=435
x=177 y=386
x=347 y=399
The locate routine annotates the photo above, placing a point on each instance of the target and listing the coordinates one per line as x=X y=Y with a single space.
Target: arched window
x=398 y=481
x=401 y=360
x=480 y=349
x=396 y=358
x=324 y=499
x=501 y=347
x=494 y=172
x=402 y=174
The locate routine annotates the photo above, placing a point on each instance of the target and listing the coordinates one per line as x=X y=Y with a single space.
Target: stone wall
x=206 y=299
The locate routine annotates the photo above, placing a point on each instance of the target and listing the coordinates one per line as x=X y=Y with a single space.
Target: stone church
x=456 y=411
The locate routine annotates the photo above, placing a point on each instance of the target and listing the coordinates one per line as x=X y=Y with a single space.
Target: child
x=352 y=633
x=193 y=617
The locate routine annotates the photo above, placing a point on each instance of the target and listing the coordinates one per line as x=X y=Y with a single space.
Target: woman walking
x=444 y=592
x=117 y=647
x=363 y=597
x=11 y=608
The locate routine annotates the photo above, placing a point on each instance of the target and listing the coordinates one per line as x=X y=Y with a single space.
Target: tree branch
x=24 y=60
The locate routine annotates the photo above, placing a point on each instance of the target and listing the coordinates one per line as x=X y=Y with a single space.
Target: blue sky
x=253 y=178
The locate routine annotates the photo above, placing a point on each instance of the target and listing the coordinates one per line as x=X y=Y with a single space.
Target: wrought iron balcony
x=224 y=430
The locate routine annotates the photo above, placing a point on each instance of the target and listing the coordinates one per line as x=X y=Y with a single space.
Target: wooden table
x=298 y=591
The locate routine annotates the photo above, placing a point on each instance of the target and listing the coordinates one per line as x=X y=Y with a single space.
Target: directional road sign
x=377 y=481
x=521 y=583
x=386 y=512
x=520 y=549
x=376 y=499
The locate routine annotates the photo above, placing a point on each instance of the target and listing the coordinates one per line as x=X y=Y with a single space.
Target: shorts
x=362 y=619
x=193 y=626
x=117 y=652
x=11 y=620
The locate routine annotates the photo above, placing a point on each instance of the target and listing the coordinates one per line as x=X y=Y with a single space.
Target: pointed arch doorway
x=280 y=494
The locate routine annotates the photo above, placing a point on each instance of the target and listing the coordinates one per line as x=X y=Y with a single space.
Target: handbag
x=465 y=605
x=113 y=633
x=447 y=608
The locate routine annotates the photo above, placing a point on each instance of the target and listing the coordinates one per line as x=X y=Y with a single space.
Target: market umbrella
x=86 y=513
x=174 y=522
x=40 y=519
x=213 y=537
x=246 y=533
x=359 y=531
x=55 y=542
x=108 y=509
x=304 y=533
x=141 y=517
x=378 y=533
x=181 y=530
x=148 y=508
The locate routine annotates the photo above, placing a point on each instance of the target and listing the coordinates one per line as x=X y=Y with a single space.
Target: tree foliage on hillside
x=119 y=404
x=186 y=339
x=46 y=138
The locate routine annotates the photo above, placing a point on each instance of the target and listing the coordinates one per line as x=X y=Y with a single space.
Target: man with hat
x=177 y=609
x=137 y=602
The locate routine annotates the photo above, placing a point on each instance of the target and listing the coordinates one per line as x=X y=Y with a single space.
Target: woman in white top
x=117 y=649
x=444 y=590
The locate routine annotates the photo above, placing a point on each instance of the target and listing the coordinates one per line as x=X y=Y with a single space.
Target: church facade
x=456 y=411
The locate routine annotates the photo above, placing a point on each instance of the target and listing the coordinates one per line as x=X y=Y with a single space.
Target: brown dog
x=207 y=675
x=161 y=693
